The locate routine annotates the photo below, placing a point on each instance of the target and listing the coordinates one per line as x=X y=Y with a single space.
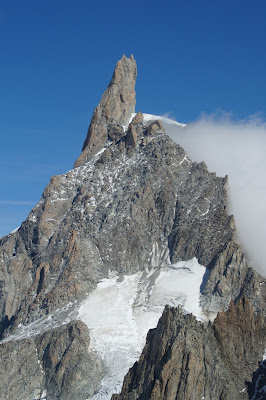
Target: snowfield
x=150 y=117
x=120 y=311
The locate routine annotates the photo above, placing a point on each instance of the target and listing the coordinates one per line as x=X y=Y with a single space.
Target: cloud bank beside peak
x=236 y=149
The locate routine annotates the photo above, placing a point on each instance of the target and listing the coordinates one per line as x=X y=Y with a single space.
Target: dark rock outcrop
x=257 y=389
x=131 y=136
x=155 y=127
x=184 y=359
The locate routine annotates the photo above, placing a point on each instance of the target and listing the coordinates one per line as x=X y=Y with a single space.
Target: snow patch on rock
x=151 y=117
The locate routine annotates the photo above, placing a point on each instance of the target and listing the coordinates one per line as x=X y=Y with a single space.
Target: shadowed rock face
x=116 y=107
x=133 y=201
x=257 y=389
x=57 y=363
x=184 y=359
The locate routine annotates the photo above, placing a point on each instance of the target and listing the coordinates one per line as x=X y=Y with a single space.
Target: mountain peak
x=116 y=106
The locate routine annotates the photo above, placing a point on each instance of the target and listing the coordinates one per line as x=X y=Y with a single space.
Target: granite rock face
x=53 y=365
x=184 y=359
x=134 y=200
x=116 y=107
x=68 y=366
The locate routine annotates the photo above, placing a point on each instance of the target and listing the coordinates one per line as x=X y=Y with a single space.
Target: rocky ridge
x=185 y=359
x=133 y=200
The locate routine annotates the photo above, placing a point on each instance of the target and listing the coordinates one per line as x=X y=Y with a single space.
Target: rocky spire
x=116 y=106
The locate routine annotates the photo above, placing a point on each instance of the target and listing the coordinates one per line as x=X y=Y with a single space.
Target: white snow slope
x=119 y=313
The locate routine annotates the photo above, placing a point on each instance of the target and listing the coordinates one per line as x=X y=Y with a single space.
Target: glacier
x=121 y=310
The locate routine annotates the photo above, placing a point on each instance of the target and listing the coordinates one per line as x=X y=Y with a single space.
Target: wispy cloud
x=16 y=203
x=236 y=149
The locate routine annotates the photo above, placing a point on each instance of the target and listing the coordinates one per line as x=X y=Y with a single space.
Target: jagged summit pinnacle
x=116 y=106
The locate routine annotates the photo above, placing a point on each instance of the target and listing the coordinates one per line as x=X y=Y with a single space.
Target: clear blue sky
x=57 y=57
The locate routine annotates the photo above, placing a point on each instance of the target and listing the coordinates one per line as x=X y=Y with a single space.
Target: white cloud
x=236 y=149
